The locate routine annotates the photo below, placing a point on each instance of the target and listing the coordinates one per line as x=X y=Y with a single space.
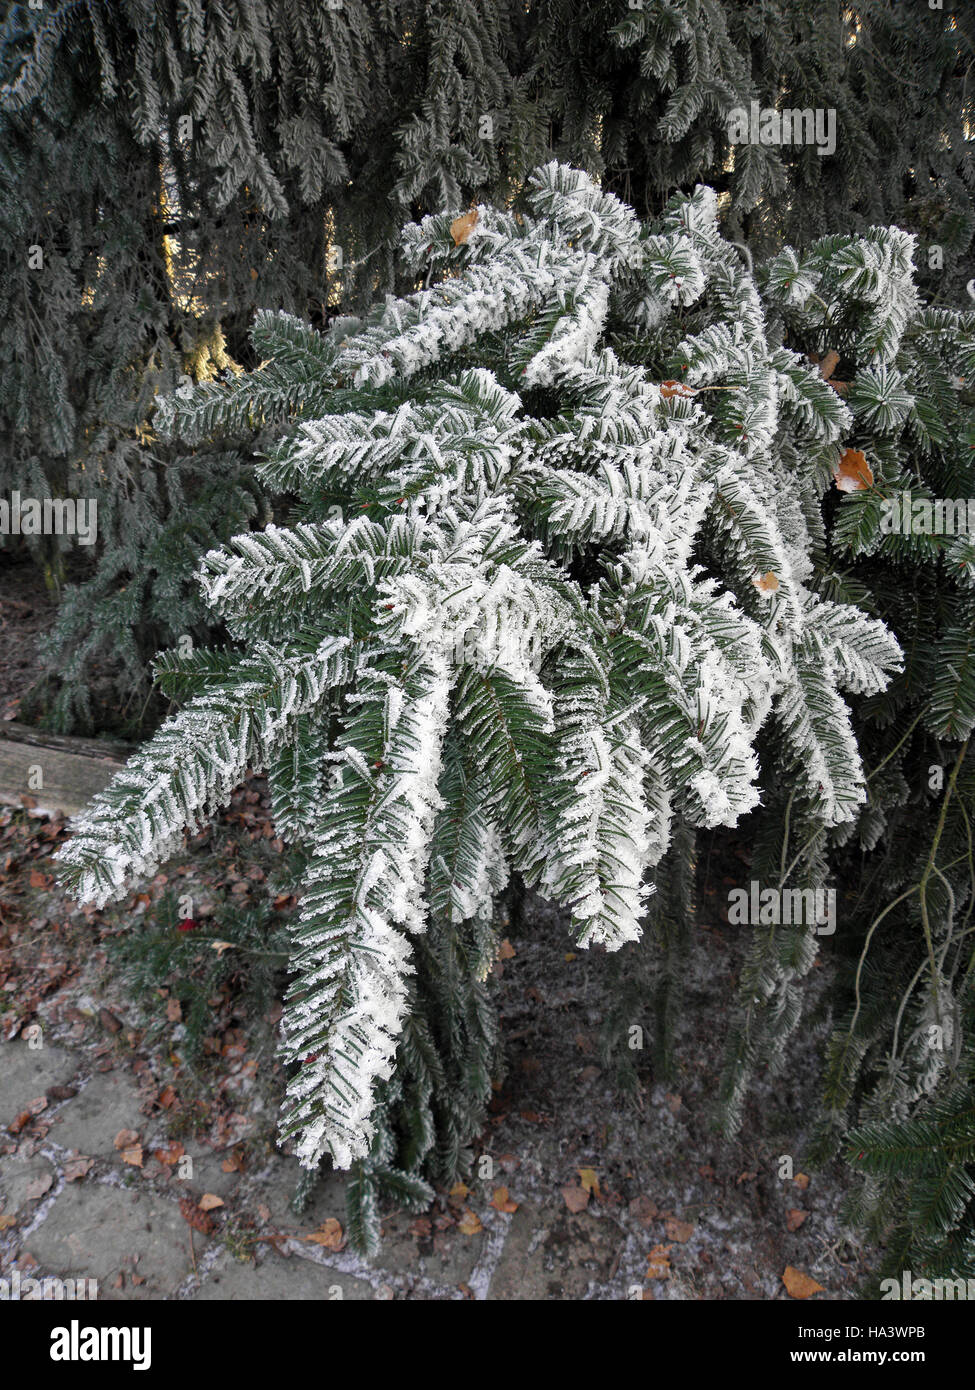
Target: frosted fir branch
x=364 y=890
x=189 y=769
x=593 y=610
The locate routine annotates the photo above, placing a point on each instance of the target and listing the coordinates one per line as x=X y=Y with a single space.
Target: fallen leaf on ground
x=642 y=1209
x=506 y=951
x=126 y=1138
x=38 y=1187
x=172 y=1153
x=795 y=1216
x=801 y=1181
x=210 y=1201
x=469 y=1223
x=679 y=1231
x=658 y=1262
x=576 y=1198
x=501 y=1201
x=76 y=1168
x=61 y=1092
x=799 y=1285
x=174 y=1010
x=459 y=1193
x=589 y=1180
x=329 y=1234
x=133 y=1155
x=192 y=1215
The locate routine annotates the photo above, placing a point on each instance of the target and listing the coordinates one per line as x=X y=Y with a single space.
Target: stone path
x=124 y=1227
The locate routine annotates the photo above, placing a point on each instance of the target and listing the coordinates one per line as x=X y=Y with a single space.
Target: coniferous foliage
x=899 y=1063
x=167 y=169
x=644 y=104
x=178 y=166
x=535 y=604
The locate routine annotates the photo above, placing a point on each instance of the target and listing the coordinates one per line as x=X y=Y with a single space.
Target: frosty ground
x=593 y=1195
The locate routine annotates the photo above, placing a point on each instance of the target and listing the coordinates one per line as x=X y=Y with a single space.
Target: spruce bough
x=548 y=572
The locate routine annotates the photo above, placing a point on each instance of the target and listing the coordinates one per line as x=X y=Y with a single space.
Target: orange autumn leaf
x=459 y=1193
x=795 y=1217
x=470 y=1223
x=853 y=473
x=506 y=951
x=501 y=1201
x=171 y=1154
x=658 y=1262
x=329 y=1235
x=799 y=1285
x=133 y=1156
x=210 y=1201
x=766 y=583
x=675 y=388
x=461 y=227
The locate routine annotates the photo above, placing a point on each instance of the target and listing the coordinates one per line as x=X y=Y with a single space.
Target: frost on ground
x=589 y=1194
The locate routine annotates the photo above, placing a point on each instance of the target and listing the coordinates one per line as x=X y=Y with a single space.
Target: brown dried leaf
x=469 y=1223
x=75 y=1168
x=853 y=473
x=799 y=1285
x=461 y=227
x=679 y=1231
x=576 y=1198
x=192 y=1215
x=501 y=1201
x=642 y=1209
x=329 y=1234
x=172 y=1153
x=658 y=1262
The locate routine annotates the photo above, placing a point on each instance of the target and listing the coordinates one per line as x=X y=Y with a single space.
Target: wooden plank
x=69 y=780
x=111 y=748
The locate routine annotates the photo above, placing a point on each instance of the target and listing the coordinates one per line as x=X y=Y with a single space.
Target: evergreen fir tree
x=536 y=600
x=179 y=166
